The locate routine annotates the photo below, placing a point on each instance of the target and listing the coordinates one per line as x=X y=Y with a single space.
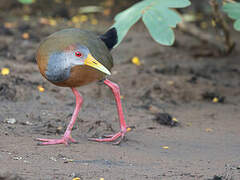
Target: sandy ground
x=205 y=144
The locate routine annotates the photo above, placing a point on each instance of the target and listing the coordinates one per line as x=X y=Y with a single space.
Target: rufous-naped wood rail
x=73 y=58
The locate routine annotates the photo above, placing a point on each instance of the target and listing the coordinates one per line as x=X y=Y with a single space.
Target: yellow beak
x=91 y=61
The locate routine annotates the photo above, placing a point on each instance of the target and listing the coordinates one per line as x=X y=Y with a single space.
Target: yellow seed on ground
x=213 y=23
x=5 y=71
x=76 y=178
x=41 y=89
x=83 y=18
x=26 y=18
x=170 y=82
x=129 y=129
x=75 y=19
x=107 y=12
x=59 y=128
x=101 y=179
x=165 y=147
x=58 y=1
x=174 y=119
x=52 y=22
x=94 y=21
x=9 y=25
x=204 y=25
x=215 y=100
x=208 y=129
x=25 y=36
x=136 y=61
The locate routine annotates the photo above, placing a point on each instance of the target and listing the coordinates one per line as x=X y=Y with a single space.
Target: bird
x=72 y=58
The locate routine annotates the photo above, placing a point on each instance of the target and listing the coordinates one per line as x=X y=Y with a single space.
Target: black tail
x=110 y=38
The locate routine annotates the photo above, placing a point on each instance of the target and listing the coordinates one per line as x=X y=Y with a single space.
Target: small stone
x=11 y=121
x=53 y=158
x=75 y=175
x=166 y=119
x=17 y=158
x=153 y=109
x=28 y=123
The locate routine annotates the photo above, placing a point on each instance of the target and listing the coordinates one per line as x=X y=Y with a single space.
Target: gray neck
x=58 y=68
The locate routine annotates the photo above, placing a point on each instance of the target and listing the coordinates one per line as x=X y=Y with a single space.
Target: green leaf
x=236 y=25
x=158 y=27
x=26 y=1
x=126 y=19
x=233 y=11
x=172 y=3
x=156 y=15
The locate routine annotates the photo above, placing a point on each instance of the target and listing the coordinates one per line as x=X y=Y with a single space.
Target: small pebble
x=17 y=158
x=11 y=121
x=53 y=158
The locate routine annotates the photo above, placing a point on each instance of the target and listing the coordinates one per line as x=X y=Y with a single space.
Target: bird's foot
x=112 y=137
x=64 y=140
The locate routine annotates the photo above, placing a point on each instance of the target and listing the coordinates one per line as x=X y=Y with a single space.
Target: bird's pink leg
x=123 y=128
x=67 y=135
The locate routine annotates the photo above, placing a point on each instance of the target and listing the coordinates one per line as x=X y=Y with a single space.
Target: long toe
x=110 y=138
x=63 y=140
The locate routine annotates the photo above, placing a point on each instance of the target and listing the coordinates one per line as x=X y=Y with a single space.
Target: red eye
x=78 y=54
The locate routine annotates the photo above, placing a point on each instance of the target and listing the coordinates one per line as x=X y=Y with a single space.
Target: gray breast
x=58 y=68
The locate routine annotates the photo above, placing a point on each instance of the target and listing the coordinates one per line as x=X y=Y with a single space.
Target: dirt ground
x=176 y=80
